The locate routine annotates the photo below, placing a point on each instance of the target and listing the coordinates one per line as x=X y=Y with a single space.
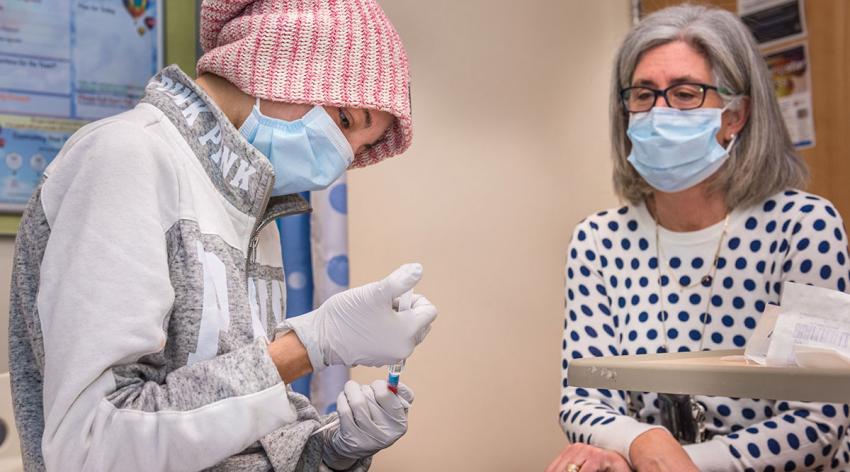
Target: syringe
x=395 y=371
x=405 y=302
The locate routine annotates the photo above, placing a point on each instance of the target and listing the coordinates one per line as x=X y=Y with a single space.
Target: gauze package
x=810 y=328
x=759 y=342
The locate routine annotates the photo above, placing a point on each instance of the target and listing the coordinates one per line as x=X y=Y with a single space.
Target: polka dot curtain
x=315 y=253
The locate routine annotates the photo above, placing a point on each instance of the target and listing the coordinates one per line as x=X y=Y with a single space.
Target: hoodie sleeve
x=105 y=296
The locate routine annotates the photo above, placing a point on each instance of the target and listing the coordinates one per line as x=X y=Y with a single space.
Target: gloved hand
x=371 y=418
x=360 y=326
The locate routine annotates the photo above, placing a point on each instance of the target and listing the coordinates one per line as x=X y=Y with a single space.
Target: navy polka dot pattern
x=614 y=303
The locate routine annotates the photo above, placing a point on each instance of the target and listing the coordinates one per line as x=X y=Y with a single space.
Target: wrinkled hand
x=589 y=459
x=371 y=418
x=360 y=326
x=657 y=450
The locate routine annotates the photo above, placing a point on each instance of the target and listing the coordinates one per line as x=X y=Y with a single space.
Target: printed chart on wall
x=779 y=27
x=773 y=21
x=62 y=64
x=789 y=68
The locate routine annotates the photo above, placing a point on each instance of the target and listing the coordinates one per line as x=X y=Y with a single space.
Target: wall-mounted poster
x=773 y=21
x=64 y=63
x=789 y=68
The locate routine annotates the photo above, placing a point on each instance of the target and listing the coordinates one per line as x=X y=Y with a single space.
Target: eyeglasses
x=685 y=96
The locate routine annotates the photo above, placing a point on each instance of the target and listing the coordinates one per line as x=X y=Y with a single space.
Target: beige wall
x=510 y=152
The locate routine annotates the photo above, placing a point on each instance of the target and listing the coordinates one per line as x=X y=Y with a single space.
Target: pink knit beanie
x=329 y=52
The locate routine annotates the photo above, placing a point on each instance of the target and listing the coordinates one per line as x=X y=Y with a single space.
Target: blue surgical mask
x=673 y=150
x=309 y=153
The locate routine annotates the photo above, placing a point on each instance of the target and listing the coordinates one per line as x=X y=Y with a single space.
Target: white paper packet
x=759 y=342
x=808 y=316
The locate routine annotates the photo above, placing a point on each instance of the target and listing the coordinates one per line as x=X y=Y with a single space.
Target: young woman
x=146 y=319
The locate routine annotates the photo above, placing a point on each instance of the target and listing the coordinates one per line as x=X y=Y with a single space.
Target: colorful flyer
x=64 y=63
x=791 y=74
x=27 y=145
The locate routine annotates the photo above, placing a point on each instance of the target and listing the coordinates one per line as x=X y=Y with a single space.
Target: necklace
x=706 y=281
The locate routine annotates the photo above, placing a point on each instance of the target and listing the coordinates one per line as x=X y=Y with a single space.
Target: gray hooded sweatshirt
x=147 y=282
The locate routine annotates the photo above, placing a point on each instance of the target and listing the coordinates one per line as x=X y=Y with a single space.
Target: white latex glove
x=360 y=326
x=371 y=418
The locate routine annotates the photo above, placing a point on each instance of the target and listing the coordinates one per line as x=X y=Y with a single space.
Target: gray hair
x=762 y=160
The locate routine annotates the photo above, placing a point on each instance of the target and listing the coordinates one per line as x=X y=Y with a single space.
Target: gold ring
x=572 y=468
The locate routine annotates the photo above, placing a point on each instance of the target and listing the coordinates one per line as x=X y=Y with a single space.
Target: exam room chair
x=10 y=445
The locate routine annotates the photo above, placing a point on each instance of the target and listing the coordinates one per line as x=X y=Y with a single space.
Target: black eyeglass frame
x=663 y=93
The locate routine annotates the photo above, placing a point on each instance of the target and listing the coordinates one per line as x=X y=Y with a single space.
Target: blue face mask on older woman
x=673 y=150
x=307 y=154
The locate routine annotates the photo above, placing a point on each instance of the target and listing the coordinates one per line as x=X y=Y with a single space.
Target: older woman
x=712 y=229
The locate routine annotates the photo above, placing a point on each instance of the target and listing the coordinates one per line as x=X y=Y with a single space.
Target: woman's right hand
x=657 y=450
x=588 y=459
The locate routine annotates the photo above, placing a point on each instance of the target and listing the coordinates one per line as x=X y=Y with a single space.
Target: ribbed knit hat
x=327 y=52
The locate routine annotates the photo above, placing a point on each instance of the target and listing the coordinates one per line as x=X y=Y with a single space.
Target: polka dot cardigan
x=617 y=304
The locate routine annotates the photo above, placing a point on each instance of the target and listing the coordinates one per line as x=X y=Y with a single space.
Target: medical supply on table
x=811 y=328
x=405 y=302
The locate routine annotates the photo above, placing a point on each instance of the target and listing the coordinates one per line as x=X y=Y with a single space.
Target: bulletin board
x=66 y=63
x=62 y=64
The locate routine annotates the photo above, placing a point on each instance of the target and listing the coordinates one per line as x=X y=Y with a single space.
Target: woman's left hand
x=588 y=459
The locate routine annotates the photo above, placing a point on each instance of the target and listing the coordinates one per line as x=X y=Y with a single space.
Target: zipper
x=276 y=207
x=252 y=243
